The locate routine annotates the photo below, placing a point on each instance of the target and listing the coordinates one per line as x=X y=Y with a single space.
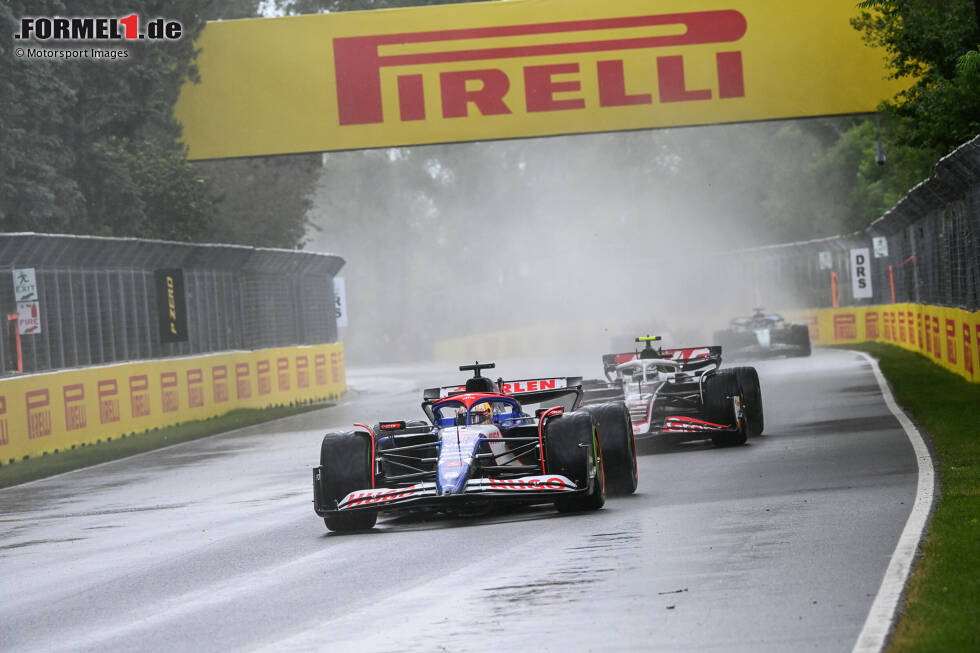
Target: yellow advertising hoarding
x=949 y=337
x=521 y=68
x=44 y=413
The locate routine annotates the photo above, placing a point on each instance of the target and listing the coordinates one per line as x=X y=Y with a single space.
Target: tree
x=262 y=201
x=90 y=146
x=934 y=46
x=36 y=191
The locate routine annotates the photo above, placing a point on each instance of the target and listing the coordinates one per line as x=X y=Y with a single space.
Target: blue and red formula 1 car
x=527 y=441
x=677 y=395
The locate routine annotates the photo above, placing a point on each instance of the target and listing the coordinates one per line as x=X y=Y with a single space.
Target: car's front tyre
x=617 y=445
x=347 y=465
x=723 y=402
x=748 y=379
x=572 y=449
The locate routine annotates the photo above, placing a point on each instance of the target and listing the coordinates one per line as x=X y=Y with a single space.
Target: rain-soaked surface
x=213 y=545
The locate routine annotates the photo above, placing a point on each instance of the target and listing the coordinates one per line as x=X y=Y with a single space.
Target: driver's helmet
x=481 y=414
x=649 y=352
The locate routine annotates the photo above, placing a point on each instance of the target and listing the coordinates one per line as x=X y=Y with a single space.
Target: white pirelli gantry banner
x=861 y=273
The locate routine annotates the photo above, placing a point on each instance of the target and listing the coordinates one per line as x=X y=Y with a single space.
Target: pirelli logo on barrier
x=976 y=339
x=108 y=391
x=74 y=399
x=38 y=403
x=243 y=380
x=951 y=341
x=282 y=373
x=195 y=388
x=169 y=393
x=967 y=349
x=302 y=372
x=263 y=371
x=4 y=429
x=845 y=327
x=320 y=369
x=871 y=325
x=139 y=395
x=219 y=383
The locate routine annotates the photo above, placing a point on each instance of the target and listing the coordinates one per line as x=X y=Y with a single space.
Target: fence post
x=891 y=282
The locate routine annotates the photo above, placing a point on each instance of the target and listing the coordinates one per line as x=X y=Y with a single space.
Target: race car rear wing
x=518 y=387
x=690 y=358
x=529 y=391
x=536 y=391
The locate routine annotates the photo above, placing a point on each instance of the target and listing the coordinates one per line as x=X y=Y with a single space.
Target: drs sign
x=861 y=273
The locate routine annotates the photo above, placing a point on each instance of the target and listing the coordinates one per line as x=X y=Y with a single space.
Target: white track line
x=884 y=610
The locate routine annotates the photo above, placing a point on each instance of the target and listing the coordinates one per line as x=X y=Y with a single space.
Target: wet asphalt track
x=779 y=545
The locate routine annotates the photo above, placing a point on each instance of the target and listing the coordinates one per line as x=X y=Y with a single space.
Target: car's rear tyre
x=347 y=466
x=572 y=450
x=617 y=444
x=723 y=400
x=748 y=379
x=800 y=335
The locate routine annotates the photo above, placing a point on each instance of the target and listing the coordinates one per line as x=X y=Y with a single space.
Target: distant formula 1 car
x=763 y=335
x=681 y=394
x=482 y=444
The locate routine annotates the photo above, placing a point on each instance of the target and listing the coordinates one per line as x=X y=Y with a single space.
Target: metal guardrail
x=933 y=251
x=99 y=299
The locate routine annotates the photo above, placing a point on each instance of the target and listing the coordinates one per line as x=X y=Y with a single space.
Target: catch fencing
x=925 y=250
x=104 y=300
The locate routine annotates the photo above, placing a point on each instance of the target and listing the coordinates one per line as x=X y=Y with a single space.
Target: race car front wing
x=427 y=494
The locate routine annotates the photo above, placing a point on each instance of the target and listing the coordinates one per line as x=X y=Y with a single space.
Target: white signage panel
x=880 y=244
x=28 y=318
x=340 y=301
x=861 y=273
x=25 y=285
x=826 y=262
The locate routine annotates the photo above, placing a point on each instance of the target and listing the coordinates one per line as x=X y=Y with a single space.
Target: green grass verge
x=120 y=447
x=942 y=605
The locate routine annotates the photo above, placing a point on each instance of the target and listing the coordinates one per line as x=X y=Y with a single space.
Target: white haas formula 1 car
x=481 y=445
x=681 y=394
